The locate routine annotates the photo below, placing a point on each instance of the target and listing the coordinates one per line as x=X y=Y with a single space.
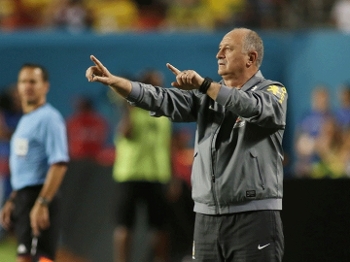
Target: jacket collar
x=253 y=81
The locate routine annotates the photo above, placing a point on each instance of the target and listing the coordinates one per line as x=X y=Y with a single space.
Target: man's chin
x=31 y=102
x=221 y=72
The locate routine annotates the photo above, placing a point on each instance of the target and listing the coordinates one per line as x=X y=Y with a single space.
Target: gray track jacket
x=237 y=164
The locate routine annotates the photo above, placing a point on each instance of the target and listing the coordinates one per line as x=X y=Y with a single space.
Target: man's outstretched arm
x=99 y=73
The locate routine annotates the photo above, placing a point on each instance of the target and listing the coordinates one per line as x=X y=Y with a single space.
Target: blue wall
x=300 y=60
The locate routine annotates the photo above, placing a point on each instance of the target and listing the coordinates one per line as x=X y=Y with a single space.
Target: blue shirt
x=39 y=141
x=343 y=117
x=312 y=123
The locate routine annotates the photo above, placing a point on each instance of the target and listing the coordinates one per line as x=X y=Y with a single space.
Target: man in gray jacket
x=237 y=173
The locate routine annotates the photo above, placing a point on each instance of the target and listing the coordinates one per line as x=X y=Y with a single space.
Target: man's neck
x=232 y=81
x=27 y=108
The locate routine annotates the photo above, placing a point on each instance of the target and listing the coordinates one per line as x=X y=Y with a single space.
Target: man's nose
x=219 y=54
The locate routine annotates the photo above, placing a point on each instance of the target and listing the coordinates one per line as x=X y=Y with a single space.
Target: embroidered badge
x=279 y=92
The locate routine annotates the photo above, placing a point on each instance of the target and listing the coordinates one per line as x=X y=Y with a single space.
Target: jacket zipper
x=213 y=162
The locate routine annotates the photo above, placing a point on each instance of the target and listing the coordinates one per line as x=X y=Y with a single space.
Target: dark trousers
x=48 y=239
x=243 y=237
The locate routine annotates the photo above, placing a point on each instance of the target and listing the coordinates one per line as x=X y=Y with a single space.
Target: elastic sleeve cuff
x=135 y=93
x=223 y=94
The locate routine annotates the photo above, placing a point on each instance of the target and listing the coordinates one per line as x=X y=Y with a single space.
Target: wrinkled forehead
x=233 y=37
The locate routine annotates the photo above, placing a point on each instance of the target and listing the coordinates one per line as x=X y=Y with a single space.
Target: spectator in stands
x=309 y=129
x=68 y=15
x=87 y=131
x=267 y=12
x=226 y=13
x=151 y=15
x=340 y=15
x=187 y=15
x=142 y=169
x=14 y=15
x=113 y=15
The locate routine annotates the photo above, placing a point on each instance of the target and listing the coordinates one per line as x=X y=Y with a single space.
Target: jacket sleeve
x=266 y=107
x=178 y=105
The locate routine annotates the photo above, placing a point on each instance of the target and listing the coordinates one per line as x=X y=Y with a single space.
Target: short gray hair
x=253 y=42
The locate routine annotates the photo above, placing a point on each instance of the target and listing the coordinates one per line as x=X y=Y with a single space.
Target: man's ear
x=47 y=87
x=252 y=56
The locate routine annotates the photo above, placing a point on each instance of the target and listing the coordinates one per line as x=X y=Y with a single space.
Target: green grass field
x=8 y=249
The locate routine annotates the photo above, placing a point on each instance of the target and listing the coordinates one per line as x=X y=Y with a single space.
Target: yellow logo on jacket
x=279 y=92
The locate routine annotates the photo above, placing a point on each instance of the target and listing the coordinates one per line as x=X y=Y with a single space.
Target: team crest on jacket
x=278 y=91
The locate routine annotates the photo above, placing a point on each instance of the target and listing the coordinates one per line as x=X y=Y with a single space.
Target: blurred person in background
x=15 y=15
x=151 y=15
x=38 y=163
x=87 y=131
x=345 y=153
x=331 y=151
x=113 y=15
x=10 y=113
x=179 y=194
x=142 y=170
x=342 y=112
x=68 y=15
x=340 y=15
x=226 y=13
x=187 y=15
x=237 y=172
x=309 y=128
x=266 y=14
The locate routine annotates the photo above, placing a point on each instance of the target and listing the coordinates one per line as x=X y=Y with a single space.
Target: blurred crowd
x=105 y=16
x=322 y=143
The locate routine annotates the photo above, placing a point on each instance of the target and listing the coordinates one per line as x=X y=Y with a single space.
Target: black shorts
x=250 y=236
x=48 y=239
x=130 y=194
